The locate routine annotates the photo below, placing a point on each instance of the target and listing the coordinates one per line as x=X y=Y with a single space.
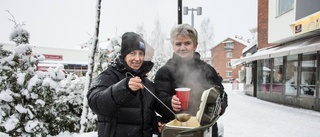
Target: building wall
x=262 y=23
x=279 y=25
x=219 y=58
x=73 y=60
x=70 y=55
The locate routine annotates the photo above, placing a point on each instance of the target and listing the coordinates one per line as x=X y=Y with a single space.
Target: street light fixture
x=185 y=12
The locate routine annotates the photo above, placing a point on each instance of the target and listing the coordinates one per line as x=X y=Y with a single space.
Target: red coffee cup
x=183 y=95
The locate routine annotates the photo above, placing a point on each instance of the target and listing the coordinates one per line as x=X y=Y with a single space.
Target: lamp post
x=185 y=12
x=179 y=11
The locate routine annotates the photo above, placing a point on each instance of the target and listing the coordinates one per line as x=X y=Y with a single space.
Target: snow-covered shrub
x=69 y=104
x=17 y=101
x=34 y=102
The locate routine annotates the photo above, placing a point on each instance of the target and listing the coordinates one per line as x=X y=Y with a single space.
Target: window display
x=291 y=75
x=308 y=74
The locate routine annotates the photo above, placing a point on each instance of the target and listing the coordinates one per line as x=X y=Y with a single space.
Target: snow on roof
x=243 y=42
x=252 y=44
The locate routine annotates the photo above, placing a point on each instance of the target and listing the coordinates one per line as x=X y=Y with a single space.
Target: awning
x=291 y=48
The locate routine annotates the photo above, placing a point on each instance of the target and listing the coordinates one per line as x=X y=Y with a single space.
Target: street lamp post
x=185 y=12
x=179 y=11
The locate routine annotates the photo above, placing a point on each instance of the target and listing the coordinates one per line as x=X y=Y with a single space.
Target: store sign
x=307 y=24
x=53 y=57
x=42 y=68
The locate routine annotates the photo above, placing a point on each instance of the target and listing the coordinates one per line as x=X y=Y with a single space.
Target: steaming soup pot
x=199 y=125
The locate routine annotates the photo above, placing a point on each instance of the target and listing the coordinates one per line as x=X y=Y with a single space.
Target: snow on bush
x=34 y=103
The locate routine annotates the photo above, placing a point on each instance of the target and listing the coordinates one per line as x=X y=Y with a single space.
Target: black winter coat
x=194 y=74
x=122 y=112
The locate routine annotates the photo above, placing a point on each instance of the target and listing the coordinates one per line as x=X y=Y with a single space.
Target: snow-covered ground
x=251 y=117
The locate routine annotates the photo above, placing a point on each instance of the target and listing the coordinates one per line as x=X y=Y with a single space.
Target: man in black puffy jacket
x=118 y=96
x=186 y=69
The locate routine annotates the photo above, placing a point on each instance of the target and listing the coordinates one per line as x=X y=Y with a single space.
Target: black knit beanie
x=131 y=41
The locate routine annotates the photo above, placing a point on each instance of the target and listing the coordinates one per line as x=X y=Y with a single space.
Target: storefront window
x=277 y=75
x=318 y=74
x=259 y=75
x=308 y=74
x=291 y=75
x=248 y=80
x=266 y=75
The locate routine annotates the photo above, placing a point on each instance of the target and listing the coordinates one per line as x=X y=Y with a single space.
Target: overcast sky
x=69 y=23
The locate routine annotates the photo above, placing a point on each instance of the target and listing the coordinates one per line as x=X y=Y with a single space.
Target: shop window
x=264 y=75
x=259 y=75
x=318 y=60
x=277 y=75
x=291 y=75
x=308 y=74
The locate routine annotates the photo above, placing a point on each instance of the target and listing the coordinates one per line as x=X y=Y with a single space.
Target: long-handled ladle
x=183 y=117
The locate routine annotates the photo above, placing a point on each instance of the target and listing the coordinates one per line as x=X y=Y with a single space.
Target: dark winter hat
x=131 y=41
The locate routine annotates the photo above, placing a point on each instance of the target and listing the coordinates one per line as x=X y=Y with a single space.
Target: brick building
x=222 y=54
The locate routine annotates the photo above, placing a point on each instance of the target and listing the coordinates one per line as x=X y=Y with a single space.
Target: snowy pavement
x=248 y=116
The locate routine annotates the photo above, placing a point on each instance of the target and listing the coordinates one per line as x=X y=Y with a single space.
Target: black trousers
x=215 y=130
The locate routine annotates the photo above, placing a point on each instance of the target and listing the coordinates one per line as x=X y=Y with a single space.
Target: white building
x=73 y=60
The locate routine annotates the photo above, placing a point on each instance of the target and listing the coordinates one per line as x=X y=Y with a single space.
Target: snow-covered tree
x=84 y=122
x=158 y=44
x=22 y=100
x=18 y=35
x=35 y=103
x=69 y=103
x=141 y=31
x=106 y=54
x=4 y=53
x=206 y=36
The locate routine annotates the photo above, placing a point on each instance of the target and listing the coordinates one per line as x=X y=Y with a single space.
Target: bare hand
x=160 y=126
x=135 y=83
x=175 y=103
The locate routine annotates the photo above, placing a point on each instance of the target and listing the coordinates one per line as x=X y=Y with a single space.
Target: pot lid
x=209 y=106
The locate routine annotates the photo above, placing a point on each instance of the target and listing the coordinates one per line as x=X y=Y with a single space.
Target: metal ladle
x=182 y=117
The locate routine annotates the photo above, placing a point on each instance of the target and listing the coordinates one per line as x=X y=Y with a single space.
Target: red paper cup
x=183 y=95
